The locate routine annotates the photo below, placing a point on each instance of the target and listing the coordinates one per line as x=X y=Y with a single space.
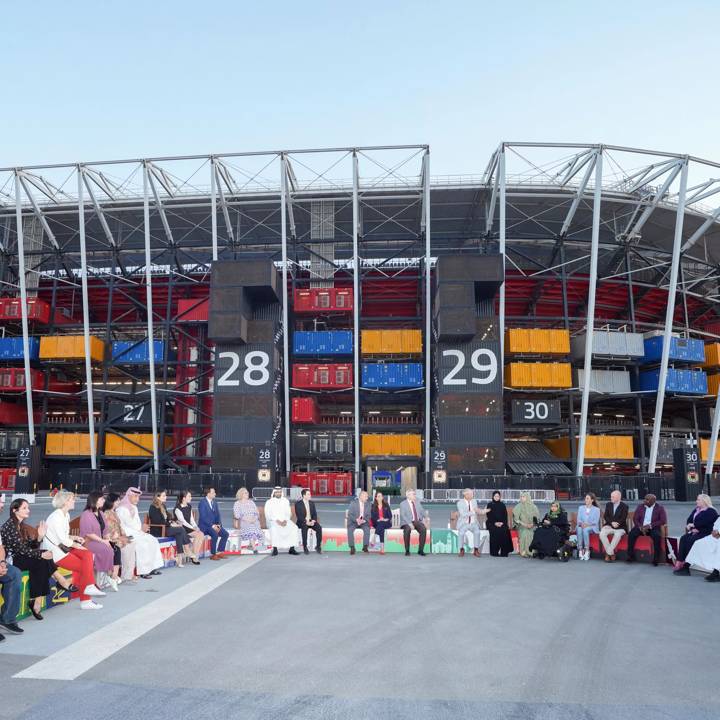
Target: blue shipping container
x=12 y=348
x=392 y=375
x=322 y=342
x=687 y=382
x=137 y=353
x=681 y=349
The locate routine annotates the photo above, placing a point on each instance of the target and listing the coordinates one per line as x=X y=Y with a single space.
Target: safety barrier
x=453 y=495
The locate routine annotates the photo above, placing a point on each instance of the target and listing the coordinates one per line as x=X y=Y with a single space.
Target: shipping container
x=537 y=341
x=610 y=344
x=683 y=381
x=333 y=376
x=193 y=310
x=323 y=444
x=597 y=447
x=12 y=348
x=713 y=382
x=131 y=445
x=391 y=342
x=391 y=444
x=68 y=444
x=392 y=375
x=70 y=347
x=7 y=479
x=12 y=380
x=305 y=410
x=37 y=311
x=681 y=350
x=137 y=352
x=538 y=375
x=16 y=413
x=611 y=382
x=323 y=300
x=323 y=342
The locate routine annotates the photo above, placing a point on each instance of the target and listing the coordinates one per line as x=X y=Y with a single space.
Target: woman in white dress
x=148 y=557
x=705 y=553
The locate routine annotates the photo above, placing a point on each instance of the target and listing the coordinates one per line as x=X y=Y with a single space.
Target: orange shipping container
x=537 y=341
x=713 y=384
x=597 y=447
x=390 y=444
x=712 y=355
x=68 y=444
x=391 y=342
x=538 y=375
x=70 y=347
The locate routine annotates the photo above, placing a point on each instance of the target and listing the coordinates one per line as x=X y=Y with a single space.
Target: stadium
x=340 y=318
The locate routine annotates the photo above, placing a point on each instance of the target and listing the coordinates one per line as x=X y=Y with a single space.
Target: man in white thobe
x=705 y=553
x=148 y=557
x=283 y=531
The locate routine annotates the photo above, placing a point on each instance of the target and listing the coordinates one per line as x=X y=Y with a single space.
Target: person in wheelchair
x=551 y=536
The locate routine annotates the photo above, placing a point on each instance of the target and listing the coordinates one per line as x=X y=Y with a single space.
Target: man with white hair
x=614 y=523
x=283 y=531
x=468 y=511
x=411 y=516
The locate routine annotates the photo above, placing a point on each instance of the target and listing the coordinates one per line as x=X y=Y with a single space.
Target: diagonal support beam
x=656 y=200
x=578 y=196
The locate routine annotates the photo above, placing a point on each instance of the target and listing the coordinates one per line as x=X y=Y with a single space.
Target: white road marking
x=76 y=659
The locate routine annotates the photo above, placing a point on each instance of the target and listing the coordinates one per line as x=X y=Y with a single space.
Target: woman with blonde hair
x=699 y=525
x=68 y=550
x=247 y=520
x=525 y=518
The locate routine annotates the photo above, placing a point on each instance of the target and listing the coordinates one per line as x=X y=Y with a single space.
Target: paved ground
x=335 y=636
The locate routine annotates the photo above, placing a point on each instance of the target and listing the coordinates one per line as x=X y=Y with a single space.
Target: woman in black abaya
x=497 y=524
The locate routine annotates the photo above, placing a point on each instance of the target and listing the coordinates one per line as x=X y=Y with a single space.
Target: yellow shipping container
x=559 y=342
x=713 y=384
x=538 y=375
x=517 y=340
x=131 y=445
x=537 y=341
x=597 y=447
x=70 y=347
x=391 y=444
x=68 y=444
x=560 y=447
x=391 y=342
x=54 y=444
x=712 y=355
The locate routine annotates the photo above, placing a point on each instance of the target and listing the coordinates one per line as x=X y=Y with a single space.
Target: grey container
x=666 y=445
x=609 y=382
x=609 y=343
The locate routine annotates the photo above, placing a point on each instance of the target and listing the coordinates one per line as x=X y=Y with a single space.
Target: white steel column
x=669 y=314
x=356 y=313
x=149 y=303
x=713 y=443
x=213 y=205
x=428 y=311
x=501 y=303
x=590 y=324
x=86 y=317
x=23 y=309
x=286 y=325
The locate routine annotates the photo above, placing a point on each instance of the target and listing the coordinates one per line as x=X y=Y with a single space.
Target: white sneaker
x=118 y=581
x=587 y=555
x=93 y=591
x=90 y=605
x=113 y=584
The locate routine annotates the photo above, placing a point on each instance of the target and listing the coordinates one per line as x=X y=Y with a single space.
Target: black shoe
x=13 y=628
x=155 y=572
x=147 y=577
x=655 y=564
x=293 y=551
x=407 y=552
x=684 y=570
x=629 y=559
x=2 y=638
x=352 y=550
x=318 y=550
x=714 y=576
x=274 y=552
x=306 y=551
x=194 y=562
x=421 y=553
x=36 y=615
x=73 y=589
x=365 y=548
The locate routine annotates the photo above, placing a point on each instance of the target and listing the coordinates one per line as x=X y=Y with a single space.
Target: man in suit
x=614 y=523
x=649 y=519
x=358 y=518
x=307 y=519
x=411 y=516
x=468 y=510
x=210 y=523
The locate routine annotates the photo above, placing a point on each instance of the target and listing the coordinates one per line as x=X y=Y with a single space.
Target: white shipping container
x=608 y=382
x=609 y=343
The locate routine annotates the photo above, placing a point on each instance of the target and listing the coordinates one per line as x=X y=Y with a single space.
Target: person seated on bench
x=11 y=582
x=551 y=537
x=705 y=553
x=124 y=569
x=307 y=519
x=283 y=531
x=648 y=519
x=468 y=510
x=68 y=550
x=588 y=523
x=699 y=525
x=162 y=524
x=359 y=514
x=381 y=518
x=92 y=529
x=148 y=558
x=411 y=516
x=22 y=542
x=614 y=523
x=184 y=516
x=246 y=518
x=525 y=518
x=496 y=521
x=210 y=523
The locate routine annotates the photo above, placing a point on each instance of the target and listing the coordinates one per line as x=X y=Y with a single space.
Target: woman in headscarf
x=148 y=557
x=496 y=522
x=525 y=517
x=552 y=534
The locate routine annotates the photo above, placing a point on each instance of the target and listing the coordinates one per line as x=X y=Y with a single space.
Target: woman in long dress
x=700 y=524
x=126 y=570
x=148 y=557
x=247 y=520
x=92 y=528
x=705 y=553
x=552 y=535
x=496 y=522
x=525 y=517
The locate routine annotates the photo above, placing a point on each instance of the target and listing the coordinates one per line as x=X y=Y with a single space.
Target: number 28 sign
x=245 y=368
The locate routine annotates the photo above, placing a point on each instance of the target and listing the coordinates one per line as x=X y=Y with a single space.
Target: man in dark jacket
x=307 y=519
x=614 y=523
x=649 y=519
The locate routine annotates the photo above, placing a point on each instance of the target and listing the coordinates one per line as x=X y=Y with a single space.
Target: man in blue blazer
x=209 y=522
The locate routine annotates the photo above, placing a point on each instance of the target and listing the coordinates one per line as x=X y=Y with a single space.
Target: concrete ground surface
x=335 y=636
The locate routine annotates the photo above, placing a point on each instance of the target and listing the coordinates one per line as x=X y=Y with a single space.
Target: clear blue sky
x=98 y=80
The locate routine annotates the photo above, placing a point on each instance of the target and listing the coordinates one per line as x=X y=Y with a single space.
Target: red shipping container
x=37 y=310
x=340 y=484
x=319 y=483
x=7 y=478
x=335 y=376
x=14 y=414
x=305 y=410
x=193 y=310
x=300 y=479
x=319 y=300
x=12 y=380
